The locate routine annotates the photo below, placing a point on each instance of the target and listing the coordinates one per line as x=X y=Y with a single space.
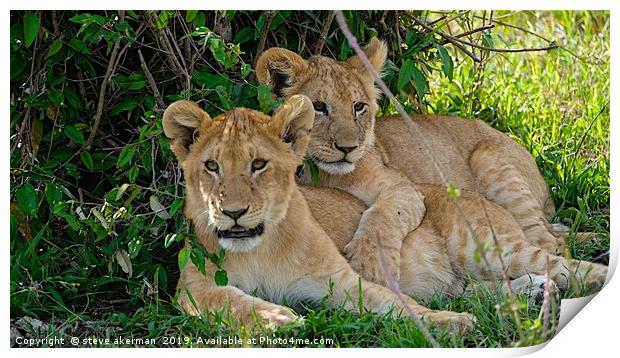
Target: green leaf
x=162 y=19
x=170 y=239
x=87 y=159
x=245 y=70
x=244 y=35
x=54 y=48
x=419 y=81
x=265 y=98
x=72 y=133
x=200 y=19
x=53 y=195
x=126 y=105
x=223 y=95
x=176 y=205
x=27 y=199
x=18 y=65
x=221 y=278
x=446 y=61
x=121 y=191
x=13 y=228
x=190 y=15
x=183 y=258
x=134 y=247
x=31 y=28
x=56 y=97
x=125 y=157
x=78 y=46
x=134 y=82
x=218 y=49
x=132 y=174
x=158 y=208
x=198 y=258
x=487 y=39
x=72 y=98
x=210 y=80
x=405 y=74
x=260 y=23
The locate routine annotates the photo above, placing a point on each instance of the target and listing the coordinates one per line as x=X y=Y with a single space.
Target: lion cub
x=378 y=165
x=241 y=195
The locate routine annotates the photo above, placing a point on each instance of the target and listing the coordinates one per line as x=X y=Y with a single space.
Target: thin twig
x=104 y=86
x=324 y=32
x=393 y=285
x=173 y=61
x=151 y=81
x=467 y=33
x=454 y=41
x=269 y=15
x=473 y=31
x=397 y=30
x=55 y=24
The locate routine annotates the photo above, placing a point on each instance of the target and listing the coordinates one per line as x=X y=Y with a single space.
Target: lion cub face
x=239 y=167
x=343 y=96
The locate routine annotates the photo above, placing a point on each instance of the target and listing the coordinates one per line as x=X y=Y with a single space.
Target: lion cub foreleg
x=199 y=294
x=395 y=208
x=348 y=289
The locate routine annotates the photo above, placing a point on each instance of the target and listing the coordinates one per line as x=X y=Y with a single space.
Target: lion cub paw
x=365 y=260
x=274 y=316
x=453 y=322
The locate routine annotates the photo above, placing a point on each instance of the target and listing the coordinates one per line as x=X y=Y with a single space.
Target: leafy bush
x=96 y=201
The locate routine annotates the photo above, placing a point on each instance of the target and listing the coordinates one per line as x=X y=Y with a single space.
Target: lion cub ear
x=376 y=51
x=280 y=69
x=181 y=120
x=293 y=122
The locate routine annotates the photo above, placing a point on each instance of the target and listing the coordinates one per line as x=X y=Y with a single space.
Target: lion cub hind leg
x=199 y=295
x=503 y=184
x=523 y=258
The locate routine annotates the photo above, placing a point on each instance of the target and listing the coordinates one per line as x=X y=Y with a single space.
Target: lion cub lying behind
x=241 y=195
x=439 y=255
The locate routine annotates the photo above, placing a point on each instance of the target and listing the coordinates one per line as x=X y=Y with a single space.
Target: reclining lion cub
x=378 y=166
x=438 y=257
x=241 y=195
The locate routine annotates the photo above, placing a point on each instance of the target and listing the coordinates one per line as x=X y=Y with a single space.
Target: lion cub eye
x=212 y=166
x=258 y=164
x=320 y=107
x=359 y=106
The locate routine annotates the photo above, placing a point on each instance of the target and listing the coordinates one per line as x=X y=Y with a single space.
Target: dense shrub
x=96 y=202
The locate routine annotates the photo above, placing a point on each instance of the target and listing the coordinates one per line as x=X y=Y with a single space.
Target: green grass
x=555 y=103
x=159 y=323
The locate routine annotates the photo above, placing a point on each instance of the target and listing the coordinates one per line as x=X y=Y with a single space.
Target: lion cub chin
x=241 y=195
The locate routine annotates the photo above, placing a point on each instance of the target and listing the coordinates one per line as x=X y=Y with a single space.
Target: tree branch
x=151 y=81
x=104 y=86
x=324 y=32
x=269 y=15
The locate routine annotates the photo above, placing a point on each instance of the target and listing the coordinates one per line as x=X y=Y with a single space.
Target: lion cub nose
x=235 y=214
x=345 y=150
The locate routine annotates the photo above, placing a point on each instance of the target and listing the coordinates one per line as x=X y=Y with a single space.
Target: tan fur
x=293 y=259
x=439 y=255
x=471 y=155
